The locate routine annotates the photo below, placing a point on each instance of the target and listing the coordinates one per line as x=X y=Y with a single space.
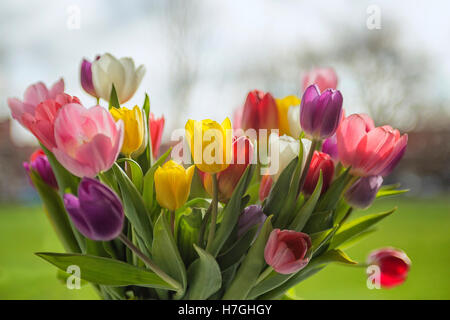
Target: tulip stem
x=212 y=226
x=314 y=145
x=204 y=224
x=264 y=275
x=149 y=262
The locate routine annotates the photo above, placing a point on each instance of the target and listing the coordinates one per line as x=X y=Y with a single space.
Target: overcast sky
x=36 y=44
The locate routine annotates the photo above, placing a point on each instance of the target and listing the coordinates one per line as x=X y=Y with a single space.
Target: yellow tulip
x=134 y=140
x=210 y=144
x=283 y=106
x=173 y=185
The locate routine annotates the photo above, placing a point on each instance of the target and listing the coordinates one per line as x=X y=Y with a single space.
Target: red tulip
x=394 y=266
x=156 y=129
x=368 y=150
x=324 y=78
x=229 y=178
x=260 y=111
x=286 y=250
x=320 y=161
x=265 y=186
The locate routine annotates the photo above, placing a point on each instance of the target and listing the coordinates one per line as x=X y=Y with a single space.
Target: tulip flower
x=286 y=250
x=324 y=78
x=88 y=141
x=320 y=162
x=251 y=216
x=237 y=120
x=368 y=150
x=288 y=149
x=320 y=114
x=329 y=146
x=260 y=112
x=97 y=211
x=156 y=127
x=264 y=187
x=86 y=77
x=109 y=70
x=229 y=178
x=34 y=95
x=210 y=144
x=39 y=163
x=173 y=184
x=134 y=141
x=363 y=192
x=284 y=106
x=294 y=125
x=394 y=266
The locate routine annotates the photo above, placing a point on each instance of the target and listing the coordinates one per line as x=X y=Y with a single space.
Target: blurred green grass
x=419 y=226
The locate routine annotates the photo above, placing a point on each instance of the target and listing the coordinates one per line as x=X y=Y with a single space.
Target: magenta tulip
x=363 y=192
x=368 y=150
x=320 y=113
x=394 y=266
x=88 y=141
x=40 y=164
x=324 y=78
x=286 y=250
x=97 y=211
x=86 y=77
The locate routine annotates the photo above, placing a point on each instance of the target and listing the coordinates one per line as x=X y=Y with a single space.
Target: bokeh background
x=202 y=57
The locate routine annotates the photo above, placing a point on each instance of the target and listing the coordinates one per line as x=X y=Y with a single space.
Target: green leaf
x=231 y=212
x=134 y=206
x=305 y=212
x=251 y=267
x=146 y=107
x=56 y=213
x=204 y=276
x=337 y=255
x=331 y=198
x=106 y=271
x=238 y=250
x=136 y=172
x=319 y=221
x=355 y=227
x=274 y=202
x=188 y=231
x=166 y=254
x=351 y=242
x=385 y=192
x=114 y=100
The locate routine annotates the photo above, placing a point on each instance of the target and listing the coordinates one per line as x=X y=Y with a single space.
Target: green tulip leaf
x=105 y=271
x=114 y=100
x=136 y=172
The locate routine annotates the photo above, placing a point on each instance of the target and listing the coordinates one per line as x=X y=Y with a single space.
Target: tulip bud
x=286 y=250
x=320 y=114
x=156 y=127
x=260 y=111
x=394 y=266
x=362 y=193
x=283 y=106
x=173 y=185
x=86 y=77
x=228 y=179
x=251 y=216
x=319 y=162
x=134 y=141
x=324 y=78
x=40 y=164
x=97 y=211
x=265 y=186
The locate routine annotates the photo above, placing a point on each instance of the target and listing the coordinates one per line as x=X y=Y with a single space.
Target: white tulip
x=288 y=148
x=294 y=121
x=122 y=72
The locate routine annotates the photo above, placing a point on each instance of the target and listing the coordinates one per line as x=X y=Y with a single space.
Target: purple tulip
x=86 y=77
x=329 y=146
x=398 y=155
x=362 y=193
x=320 y=114
x=251 y=216
x=97 y=212
x=40 y=164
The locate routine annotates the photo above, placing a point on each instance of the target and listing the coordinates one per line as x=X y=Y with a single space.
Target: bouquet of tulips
x=228 y=213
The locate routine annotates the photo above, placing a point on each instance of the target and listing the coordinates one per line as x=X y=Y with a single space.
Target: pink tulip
x=286 y=250
x=368 y=150
x=156 y=130
x=88 y=141
x=324 y=78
